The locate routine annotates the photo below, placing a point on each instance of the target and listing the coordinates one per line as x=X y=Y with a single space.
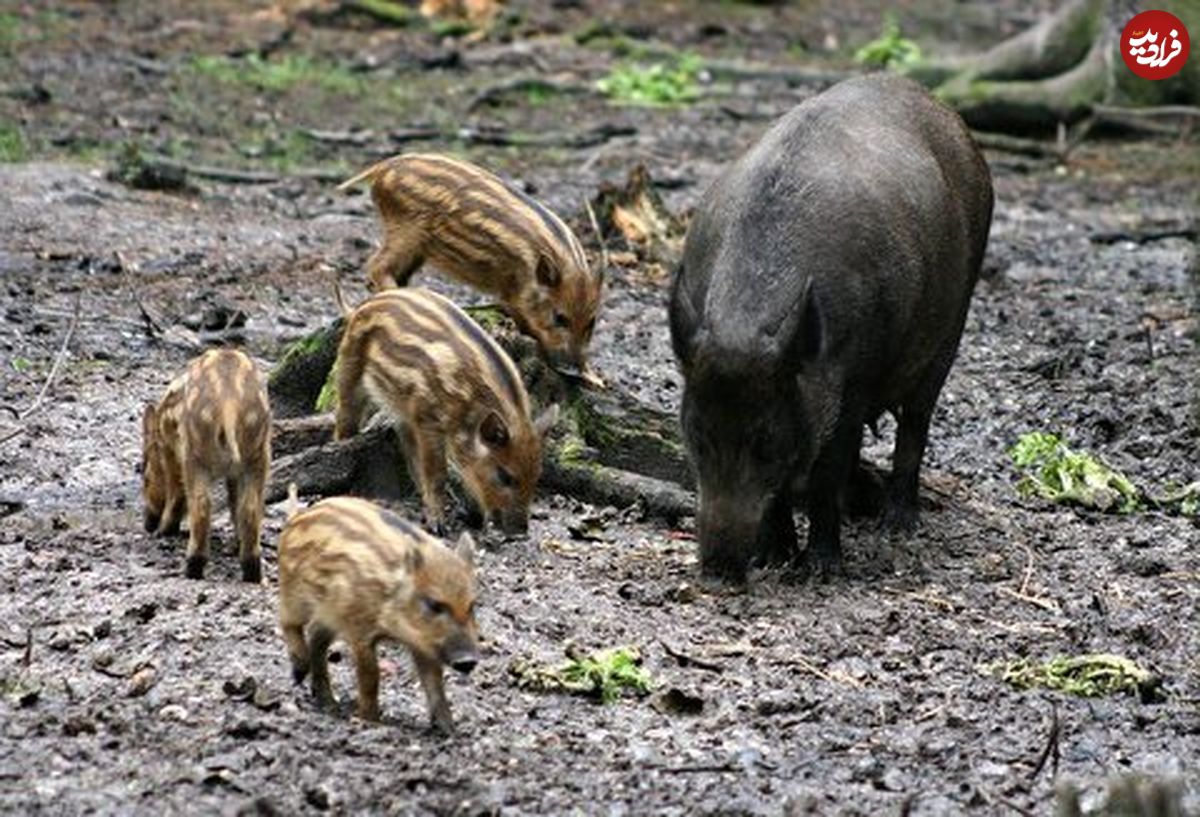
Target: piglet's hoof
x=442 y=727
x=252 y=571
x=195 y=567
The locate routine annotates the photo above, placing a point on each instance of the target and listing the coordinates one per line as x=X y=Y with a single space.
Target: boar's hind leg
x=829 y=477
x=199 y=517
x=912 y=433
x=366 y=671
x=318 y=650
x=430 y=672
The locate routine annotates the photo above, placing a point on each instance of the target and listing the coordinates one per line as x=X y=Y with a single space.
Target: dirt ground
x=127 y=689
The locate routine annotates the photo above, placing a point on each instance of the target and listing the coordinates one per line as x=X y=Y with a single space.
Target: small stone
x=78 y=725
x=141 y=682
x=174 y=712
x=319 y=797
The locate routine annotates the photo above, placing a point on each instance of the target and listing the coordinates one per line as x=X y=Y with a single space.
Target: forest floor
x=128 y=689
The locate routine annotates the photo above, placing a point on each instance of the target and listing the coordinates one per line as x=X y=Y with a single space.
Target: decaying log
x=608 y=449
x=297 y=380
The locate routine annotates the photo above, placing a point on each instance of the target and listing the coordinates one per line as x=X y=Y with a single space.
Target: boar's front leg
x=777 y=537
x=827 y=483
x=429 y=670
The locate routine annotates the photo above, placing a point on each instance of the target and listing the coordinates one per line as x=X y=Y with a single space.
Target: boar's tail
x=293 y=503
x=367 y=175
x=227 y=434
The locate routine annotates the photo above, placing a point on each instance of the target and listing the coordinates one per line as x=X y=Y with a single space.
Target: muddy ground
x=125 y=685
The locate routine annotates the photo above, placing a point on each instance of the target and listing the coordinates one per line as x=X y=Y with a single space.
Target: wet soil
x=127 y=689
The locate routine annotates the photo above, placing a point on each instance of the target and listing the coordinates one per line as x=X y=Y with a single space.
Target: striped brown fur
x=455 y=394
x=350 y=569
x=213 y=422
x=474 y=226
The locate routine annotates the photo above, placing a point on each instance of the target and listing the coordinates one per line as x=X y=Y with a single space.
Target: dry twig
x=39 y=401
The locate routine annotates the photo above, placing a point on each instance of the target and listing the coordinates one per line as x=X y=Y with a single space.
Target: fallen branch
x=384 y=10
x=1051 y=751
x=686 y=660
x=1144 y=236
x=237 y=176
x=1015 y=144
x=493 y=94
x=579 y=139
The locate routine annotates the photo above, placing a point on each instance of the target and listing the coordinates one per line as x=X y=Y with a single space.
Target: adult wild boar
x=825 y=280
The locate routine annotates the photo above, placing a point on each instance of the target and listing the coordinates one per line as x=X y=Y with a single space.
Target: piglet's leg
x=430 y=458
x=318 y=647
x=293 y=634
x=249 y=520
x=397 y=259
x=429 y=670
x=366 y=668
x=172 y=515
x=199 y=517
x=351 y=402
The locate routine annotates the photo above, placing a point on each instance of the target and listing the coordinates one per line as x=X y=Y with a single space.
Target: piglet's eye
x=561 y=321
x=433 y=607
x=505 y=478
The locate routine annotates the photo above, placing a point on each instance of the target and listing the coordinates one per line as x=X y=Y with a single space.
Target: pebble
x=174 y=712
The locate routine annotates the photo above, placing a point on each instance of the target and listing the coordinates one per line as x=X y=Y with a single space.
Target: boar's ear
x=465 y=548
x=548 y=274
x=682 y=318
x=809 y=342
x=546 y=420
x=493 y=430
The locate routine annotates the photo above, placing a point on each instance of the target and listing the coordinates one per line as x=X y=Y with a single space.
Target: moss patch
x=605 y=675
x=1086 y=676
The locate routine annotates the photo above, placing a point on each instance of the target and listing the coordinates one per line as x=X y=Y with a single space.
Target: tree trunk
x=1059 y=71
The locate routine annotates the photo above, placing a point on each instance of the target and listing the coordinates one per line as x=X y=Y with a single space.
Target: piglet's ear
x=465 y=548
x=414 y=561
x=149 y=415
x=493 y=431
x=546 y=420
x=548 y=274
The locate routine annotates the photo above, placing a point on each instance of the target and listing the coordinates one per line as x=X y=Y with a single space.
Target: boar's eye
x=433 y=607
x=561 y=320
x=505 y=478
